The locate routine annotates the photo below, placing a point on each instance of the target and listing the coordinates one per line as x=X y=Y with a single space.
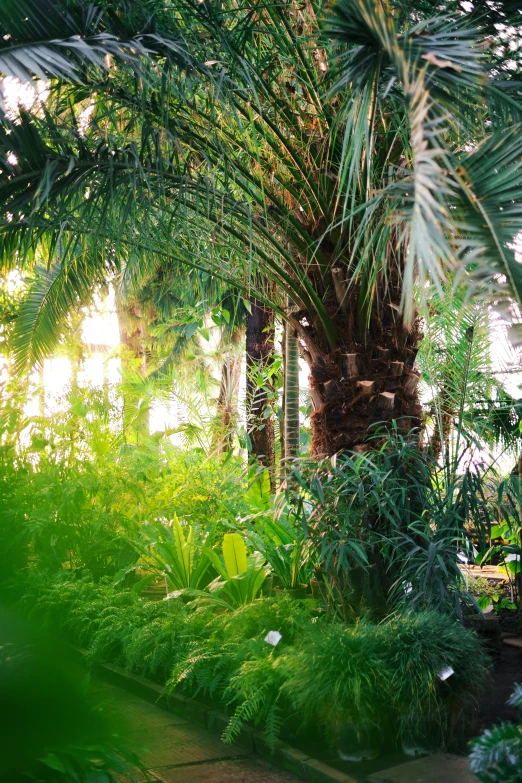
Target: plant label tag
x=445 y=673
x=273 y=638
x=175 y=594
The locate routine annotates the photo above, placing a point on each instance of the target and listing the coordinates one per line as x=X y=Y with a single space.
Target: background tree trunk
x=133 y=339
x=132 y=331
x=291 y=392
x=283 y=407
x=259 y=353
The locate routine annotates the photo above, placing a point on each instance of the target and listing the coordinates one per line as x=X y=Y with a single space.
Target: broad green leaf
x=53 y=762
x=234 y=554
x=498 y=531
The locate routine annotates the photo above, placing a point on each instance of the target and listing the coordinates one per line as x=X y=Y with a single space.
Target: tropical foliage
x=225 y=657
x=251 y=189
x=307 y=155
x=495 y=756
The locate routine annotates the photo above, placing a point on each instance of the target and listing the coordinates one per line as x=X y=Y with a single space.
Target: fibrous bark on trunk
x=370 y=377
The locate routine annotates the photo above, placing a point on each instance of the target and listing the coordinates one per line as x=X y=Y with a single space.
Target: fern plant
x=322 y=672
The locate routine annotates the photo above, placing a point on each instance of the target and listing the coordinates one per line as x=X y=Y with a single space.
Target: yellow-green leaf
x=234 y=554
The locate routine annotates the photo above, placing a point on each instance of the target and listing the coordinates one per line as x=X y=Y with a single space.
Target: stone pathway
x=439 y=768
x=176 y=751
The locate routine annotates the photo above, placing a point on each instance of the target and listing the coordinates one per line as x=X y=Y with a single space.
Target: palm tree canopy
x=336 y=152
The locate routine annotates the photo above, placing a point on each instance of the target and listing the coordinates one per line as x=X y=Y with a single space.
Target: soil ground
x=507 y=671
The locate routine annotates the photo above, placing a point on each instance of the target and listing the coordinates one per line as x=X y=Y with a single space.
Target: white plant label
x=445 y=673
x=175 y=594
x=273 y=638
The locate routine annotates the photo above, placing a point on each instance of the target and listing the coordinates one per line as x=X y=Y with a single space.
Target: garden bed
x=329 y=675
x=285 y=755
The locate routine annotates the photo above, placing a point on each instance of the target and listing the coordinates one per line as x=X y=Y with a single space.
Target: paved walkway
x=175 y=751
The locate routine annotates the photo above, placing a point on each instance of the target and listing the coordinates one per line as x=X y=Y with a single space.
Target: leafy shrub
x=233 y=665
x=369 y=673
x=82 y=512
x=321 y=674
x=326 y=674
x=111 y=624
x=385 y=531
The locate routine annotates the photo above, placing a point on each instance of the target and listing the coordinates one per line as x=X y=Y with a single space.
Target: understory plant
x=86 y=507
x=240 y=576
x=386 y=527
x=283 y=542
x=385 y=674
x=178 y=553
x=320 y=675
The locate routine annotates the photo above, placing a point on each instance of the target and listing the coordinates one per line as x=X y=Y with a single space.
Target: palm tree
x=344 y=162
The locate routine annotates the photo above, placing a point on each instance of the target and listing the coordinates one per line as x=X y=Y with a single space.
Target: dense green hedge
x=321 y=672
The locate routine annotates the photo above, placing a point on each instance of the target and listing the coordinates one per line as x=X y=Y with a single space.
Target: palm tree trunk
x=369 y=378
x=291 y=392
x=132 y=332
x=132 y=337
x=282 y=411
x=260 y=330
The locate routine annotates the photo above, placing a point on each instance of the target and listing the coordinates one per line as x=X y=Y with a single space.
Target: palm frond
x=44 y=39
x=54 y=293
x=491 y=218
